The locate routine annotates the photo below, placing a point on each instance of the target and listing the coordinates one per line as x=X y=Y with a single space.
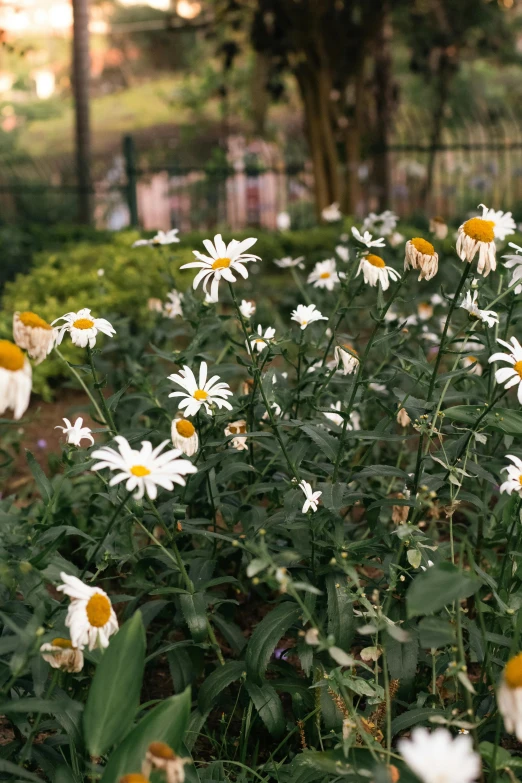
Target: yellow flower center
x=518 y=368
x=11 y=357
x=200 y=395
x=98 y=610
x=134 y=777
x=83 y=323
x=324 y=276
x=513 y=672
x=221 y=263
x=480 y=230
x=472 y=359
x=438 y=219
x=520 y=479
x=375 y=261
x=140 y=471
x=185 y=428
x=161 y=750
x=423 y=246
x=33 y=320
x=65 y=644
x=350 y=348
x=237 y=428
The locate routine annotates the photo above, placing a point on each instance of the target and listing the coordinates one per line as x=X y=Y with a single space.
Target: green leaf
x=499 y=419
x=18 y=773
x=326 y=443
x=220 y=678
x=265 y=637
x=412 y=717
x=194 y=610
x=268 y=704
x=440 y=585
x=115 y=690
x=165 y=723
x=402 y=657
x=340 y=610
x=434 y=632
x=42 y=482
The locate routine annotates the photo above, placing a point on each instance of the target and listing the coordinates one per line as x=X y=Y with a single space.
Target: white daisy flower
x=144 y=470
x=184 y=436
x=437 y=299
x=82 y=327
x=375 y=271
x=324 y=275
x=202 y=394
x=336 y=418
x=509 y=695
x=283 y=221
x=100 y=272
x=513 y=483
x=237 y=429
x=502 y=221
x=76 y=432
x=381 y=224
x=396 y=238
x=332 y=213
x=514 y=260
x=478 y=235
x=347 y=357
x=510 y=376
x=307 y=314
x=247 y=308
x=311 y=497
x=173 y=307
x=60 y=654
x=343 y=252
x=261 y=341
x=33 y=334
x=472 y=361
x=421 y=255
x=223 y=260
x=287 y=262
x=366 y=238
x=16 y=379
x=438 y=227
x=161 y=238
x=470 y=303
x=90 y=617
x=161 y=757
x=437 y=757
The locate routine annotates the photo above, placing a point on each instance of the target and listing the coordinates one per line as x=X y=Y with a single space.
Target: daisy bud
x=33 y=334
x=402 y=417
x=160 y=756
x=60 y=654
x=421 y=255
x=438 y=227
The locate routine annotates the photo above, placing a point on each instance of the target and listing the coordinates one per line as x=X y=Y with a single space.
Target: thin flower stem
x=107 y=415
x=108 y=529
x=299 y=285
x=82 y=384
x=257 y=376
x=359 y=373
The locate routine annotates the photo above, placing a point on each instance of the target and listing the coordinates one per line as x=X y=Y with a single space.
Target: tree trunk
x=444 y=75
x=384 y=101
x=81 y=74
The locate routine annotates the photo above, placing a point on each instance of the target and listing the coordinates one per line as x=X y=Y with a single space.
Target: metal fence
x=473 y=163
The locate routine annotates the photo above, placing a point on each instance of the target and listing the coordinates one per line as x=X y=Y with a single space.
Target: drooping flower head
x=512 y=375
x=421 y=255
x=33 y=334
x=247 y=308
x=375 y=271
x=478 y=234
x=61 y=654
x=514 y=260
x=144 y=470
x=473 y=362
x=82 y=327
x=90 y=617
x=223 y=260
x=346 y=357
x=184 y=436
x=160 y=756
x=307 y=314
x=15 y=379
x=237 y=429
x=202 y=393
x=324 y=275
x=509 y=695
x=438 y=227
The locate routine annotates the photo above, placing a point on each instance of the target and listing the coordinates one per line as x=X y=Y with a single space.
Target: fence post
x=129 y=153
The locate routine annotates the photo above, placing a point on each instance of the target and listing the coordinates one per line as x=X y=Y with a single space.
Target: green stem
x=108 y=529
x=107 y=415
x=82 y=384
